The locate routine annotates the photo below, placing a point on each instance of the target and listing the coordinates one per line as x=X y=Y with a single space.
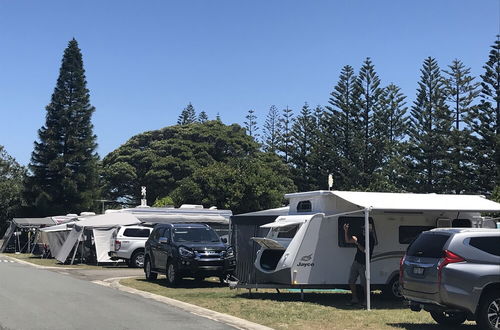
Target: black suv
x=187 y=250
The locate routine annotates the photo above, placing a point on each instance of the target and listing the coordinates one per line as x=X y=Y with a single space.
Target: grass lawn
x=287 y=311
x=52 y=262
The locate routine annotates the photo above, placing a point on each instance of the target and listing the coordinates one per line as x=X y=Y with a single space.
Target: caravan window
x=408 y=233
x=355 y=225
x=304 y=206
x=461 y=223
x=286 y=232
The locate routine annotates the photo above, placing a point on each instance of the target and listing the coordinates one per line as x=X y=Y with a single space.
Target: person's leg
x=353 y=276
x=362 y=278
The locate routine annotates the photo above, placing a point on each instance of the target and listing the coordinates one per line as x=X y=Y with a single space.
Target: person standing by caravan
x=358 y=267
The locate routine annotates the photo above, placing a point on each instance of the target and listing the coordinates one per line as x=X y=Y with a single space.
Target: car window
x=428 y=245
x=408 y=233
x=157 y=233
x=195 y=235
x=489 y=244
x=136 y=232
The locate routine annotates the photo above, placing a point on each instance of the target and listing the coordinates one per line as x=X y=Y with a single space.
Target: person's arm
x=347 y=238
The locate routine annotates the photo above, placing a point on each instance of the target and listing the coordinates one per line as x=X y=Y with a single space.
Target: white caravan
x=306 y=248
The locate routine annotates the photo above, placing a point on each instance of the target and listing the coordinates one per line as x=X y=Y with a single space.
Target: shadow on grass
x=334 y=299
x=187 y=283
x=435 y=326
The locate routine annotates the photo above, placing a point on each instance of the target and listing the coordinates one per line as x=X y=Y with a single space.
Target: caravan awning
x=418 y=202
x=33 y=222
x=107 y=220
x=182 y=218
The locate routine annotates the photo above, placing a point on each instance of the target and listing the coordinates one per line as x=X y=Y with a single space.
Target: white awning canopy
x=418 y=202
x=107 y=220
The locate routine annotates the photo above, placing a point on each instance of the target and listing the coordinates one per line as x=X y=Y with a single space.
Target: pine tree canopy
x=64 y=163
x=187 y=116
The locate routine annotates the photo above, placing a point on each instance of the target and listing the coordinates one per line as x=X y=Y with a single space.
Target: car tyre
x=393 y=289
x=172 y=274
x=449 y=318
x=488 y=316
x=137 y=260
x=148 y=271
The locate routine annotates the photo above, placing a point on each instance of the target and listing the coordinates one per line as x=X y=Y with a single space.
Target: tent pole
x=76 y=248
x=367 y=257
x=34 y=241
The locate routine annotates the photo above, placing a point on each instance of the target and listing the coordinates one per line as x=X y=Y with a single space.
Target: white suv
x=128 y=244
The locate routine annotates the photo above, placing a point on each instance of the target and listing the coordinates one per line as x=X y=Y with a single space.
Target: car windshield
x=195 y=235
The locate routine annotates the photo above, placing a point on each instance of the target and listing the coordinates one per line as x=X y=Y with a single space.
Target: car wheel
x=488 y=316
x=172 y=274
x=449 y=318
x=393 y=289
x=137 y=260
x=148 y=271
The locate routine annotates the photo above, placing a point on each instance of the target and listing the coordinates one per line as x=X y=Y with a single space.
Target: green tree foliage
x=163 y=202
x=202 y=117
x=342 y=131
x=368 y=102
x=11 y=185
x=285 y=134
x=251 y=124
x=241 y=184
x=391 y=127
x=303 y=135
x=461 y=92
x=160 y=159
x=271 y=130
x=429 y=132
x=187 y=116
x=486 y=123
x=64 y=163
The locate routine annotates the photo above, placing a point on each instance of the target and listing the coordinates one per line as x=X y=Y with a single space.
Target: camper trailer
x=306 y=247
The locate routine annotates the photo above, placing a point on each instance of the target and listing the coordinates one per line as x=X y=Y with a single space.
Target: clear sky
x=146 y=60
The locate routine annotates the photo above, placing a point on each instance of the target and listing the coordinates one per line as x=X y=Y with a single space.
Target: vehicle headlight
x=230 y=252
x=185 y=252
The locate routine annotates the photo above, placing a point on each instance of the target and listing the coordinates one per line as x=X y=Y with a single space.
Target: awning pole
x=367 y=257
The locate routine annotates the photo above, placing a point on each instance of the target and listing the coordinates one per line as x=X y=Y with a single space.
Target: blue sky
x=146 y=60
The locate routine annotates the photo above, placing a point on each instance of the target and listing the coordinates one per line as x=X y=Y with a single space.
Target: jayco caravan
x=306 y=247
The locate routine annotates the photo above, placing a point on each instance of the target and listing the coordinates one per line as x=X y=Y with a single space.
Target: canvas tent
x=26 y=227
x=102 y=227
x=55 y=236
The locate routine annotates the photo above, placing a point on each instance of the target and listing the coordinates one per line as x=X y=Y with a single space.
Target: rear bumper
x=113 y=255
x=429 y=302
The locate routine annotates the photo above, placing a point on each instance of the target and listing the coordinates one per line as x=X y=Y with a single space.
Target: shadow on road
x=413 y=326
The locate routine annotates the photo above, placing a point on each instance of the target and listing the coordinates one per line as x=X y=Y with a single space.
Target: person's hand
x=346 y=227
x=355 y=239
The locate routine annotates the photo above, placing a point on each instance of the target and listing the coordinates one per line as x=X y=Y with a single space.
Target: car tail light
x=118 y=245
x=401 y=270
x=448 y=258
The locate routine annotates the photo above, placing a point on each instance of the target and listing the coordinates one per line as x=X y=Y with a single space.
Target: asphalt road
x=32 y=298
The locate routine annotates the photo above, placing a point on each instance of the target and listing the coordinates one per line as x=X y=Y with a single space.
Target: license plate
x=418 y=270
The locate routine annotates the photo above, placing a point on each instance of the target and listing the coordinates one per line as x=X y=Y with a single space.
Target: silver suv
x=128 y=244
x=454 y=273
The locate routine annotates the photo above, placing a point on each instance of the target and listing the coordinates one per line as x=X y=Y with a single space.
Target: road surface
x=32 y=298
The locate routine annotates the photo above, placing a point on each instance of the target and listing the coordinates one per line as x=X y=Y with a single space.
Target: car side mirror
x=164 y=240
x=223 y=239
